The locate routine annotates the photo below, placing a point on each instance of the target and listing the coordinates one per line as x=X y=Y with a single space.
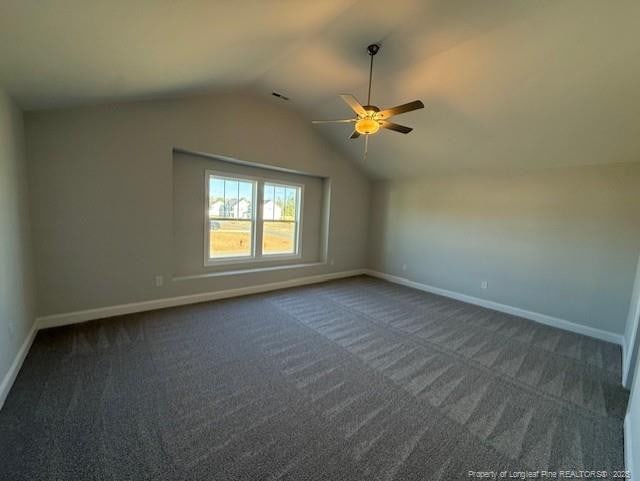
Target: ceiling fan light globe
x=367 y=126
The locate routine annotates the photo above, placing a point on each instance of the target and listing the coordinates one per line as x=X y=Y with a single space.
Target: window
x=230 y=217
x=280 y=208
x=236 y=231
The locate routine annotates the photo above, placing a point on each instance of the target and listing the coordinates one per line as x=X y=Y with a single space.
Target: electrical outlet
x=404 y=267
x=159 y=281
x=484 y=284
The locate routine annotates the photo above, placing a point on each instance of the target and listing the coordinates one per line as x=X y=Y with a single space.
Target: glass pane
x=268 y=204
x=290 y=207
x=279 y=203
x=216 y=197
x=245 y=202
x=278 y=238
x=229 y=238
x=231 y=198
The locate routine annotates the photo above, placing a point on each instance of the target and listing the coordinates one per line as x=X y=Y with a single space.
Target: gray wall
x=102 y=192
x=16 y=283
x=188 y=212
x=562 y=242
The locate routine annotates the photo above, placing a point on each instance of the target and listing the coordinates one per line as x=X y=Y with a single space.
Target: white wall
x=631 y=342
x=563 y=242
x=101 y=191
x=632 y=428
x=16 y=284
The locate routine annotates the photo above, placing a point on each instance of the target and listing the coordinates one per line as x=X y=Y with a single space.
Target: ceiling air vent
x=279 y=95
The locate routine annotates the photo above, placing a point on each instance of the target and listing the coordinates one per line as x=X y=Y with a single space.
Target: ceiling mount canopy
x=371 y=118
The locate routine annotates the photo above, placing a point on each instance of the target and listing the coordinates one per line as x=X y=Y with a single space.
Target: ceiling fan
x=369 y=117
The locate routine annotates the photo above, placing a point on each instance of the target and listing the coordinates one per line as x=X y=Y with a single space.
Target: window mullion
x=258 y=219
x=296 y=224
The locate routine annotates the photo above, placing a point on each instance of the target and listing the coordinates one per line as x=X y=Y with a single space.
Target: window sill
x=222 y=261
x=246 y=271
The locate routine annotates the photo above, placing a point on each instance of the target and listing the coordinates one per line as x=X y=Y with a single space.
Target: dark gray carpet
x=356 y=379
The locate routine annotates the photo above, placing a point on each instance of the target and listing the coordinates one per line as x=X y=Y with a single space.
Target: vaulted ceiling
x=506 y=83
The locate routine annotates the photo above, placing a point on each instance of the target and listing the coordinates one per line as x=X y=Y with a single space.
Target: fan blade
x=398 y=128
x=354 y=135
x=401 y=109
x=366 y=147
x=341 y=121
x=352 y=102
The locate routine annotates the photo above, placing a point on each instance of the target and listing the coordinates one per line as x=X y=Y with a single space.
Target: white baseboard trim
x=516 y=311
x=64 y=319
x=14 y=369
x=628 y=447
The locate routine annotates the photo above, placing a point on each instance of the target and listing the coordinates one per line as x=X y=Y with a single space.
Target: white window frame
x=211 y=261
x=296 y=254
x=257 y=221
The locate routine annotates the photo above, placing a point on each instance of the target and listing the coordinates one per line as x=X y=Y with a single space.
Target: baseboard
x=516 y=311
x=56 y=320
x=628 y=447
x=14 y=369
